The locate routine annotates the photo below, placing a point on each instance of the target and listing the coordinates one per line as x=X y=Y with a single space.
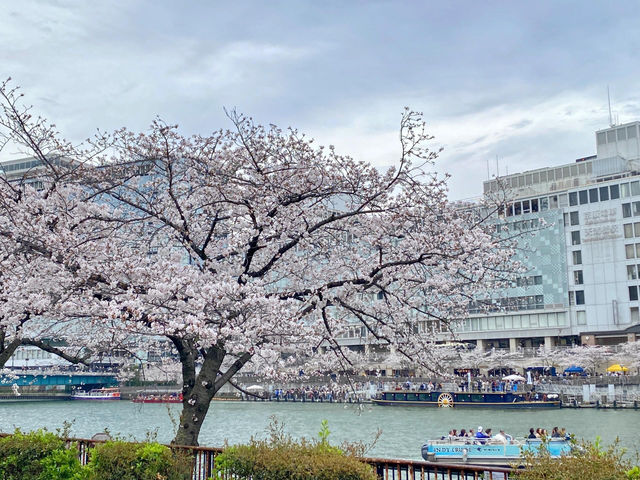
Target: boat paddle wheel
x=445 y=400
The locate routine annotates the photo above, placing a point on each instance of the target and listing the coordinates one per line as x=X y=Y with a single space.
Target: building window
x=614 y=190
x=636 y=208
x=635 y=315
x=622 y=134
x=573 y=199
x=635 y=188
x=575 y=238
x=604 y=193
x=577 y=257
x=630 y=251
x=562 y=200
x=626 y=210
x=633 y=293
x=544 y=204
x=577 y=277
x=628 y=230
x=583 y=196
x=624 y=190
x=528 y=281
x=575 y=218
x=579 y=297
x=572 y=298
x=632 y=272
x=593 y=195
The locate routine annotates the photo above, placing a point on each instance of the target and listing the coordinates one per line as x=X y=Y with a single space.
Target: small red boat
x=167 y=398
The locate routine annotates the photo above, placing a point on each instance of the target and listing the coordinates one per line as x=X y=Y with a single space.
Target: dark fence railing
x=386 y=468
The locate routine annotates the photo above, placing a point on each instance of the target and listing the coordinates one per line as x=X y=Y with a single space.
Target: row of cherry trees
x=247 y=245
x=592 y=358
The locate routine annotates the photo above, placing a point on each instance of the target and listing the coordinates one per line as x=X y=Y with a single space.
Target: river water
x=404 y=429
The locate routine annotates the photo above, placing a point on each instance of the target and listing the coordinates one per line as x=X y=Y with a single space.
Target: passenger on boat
x=501 y=437
x=555 y=433
x=463 y=432
x=532 y=433
x=481 y=437
x=470 y=433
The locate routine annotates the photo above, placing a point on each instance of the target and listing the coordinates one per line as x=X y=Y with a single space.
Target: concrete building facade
x=583 y=284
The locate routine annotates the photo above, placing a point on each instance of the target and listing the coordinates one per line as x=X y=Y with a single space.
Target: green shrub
x=589 y=461
x=62 y=465
x=130 y=461
x=300 y=461
x=38 y=455
x=282 y=458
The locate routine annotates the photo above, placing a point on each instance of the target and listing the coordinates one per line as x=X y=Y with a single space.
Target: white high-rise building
x=583 y=284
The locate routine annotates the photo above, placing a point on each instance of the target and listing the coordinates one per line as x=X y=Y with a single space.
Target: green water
x=404 y=429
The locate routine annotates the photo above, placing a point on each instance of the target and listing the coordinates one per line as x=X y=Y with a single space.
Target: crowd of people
x=320 y=393
x=482 y=436
x=543 y=433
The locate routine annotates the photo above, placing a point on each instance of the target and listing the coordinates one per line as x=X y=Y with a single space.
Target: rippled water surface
x=404 y=429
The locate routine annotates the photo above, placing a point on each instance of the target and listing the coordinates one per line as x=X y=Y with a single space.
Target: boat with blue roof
x=490 y=451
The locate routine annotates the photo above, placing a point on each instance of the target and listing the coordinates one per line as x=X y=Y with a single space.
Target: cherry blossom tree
x=254 y=246
x=590 y=357
x=45 y=240
x=629 y=355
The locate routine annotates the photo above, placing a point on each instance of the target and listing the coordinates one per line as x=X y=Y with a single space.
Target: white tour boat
x=98 y=394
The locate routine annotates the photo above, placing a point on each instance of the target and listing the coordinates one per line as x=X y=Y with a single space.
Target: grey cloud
x=340 y=71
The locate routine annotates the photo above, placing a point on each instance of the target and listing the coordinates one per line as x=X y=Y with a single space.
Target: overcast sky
x=523 y=83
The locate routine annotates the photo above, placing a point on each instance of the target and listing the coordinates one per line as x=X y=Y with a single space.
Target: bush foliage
x=589 y=461
x=282 y=458
x=43 y=455
x=137 y=461
x=38 y=455
x=295 y=461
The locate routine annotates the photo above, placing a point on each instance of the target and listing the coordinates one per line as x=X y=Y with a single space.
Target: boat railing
x=492 y=441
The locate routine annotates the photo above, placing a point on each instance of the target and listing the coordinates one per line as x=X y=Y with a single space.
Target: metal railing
x=385 y=468
x=389 y=469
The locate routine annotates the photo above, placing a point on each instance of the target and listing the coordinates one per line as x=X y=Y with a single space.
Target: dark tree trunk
x=199 y=389
x=7 y=350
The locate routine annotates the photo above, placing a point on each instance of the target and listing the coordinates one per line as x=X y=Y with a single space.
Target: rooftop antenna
x=497 y=167
x=488 y=174
x=611 y=124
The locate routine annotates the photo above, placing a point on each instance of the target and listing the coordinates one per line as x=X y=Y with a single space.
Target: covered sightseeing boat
x=420 y=398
